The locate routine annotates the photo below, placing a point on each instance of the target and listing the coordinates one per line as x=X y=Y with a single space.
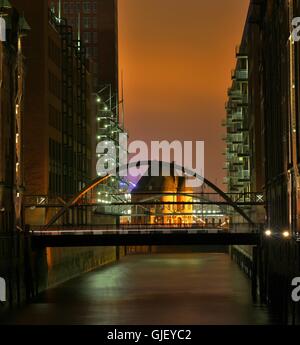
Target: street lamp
x=286 y=234
x=268 y=233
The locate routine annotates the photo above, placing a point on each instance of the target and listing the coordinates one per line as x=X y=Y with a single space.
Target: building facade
x=12 y=93
x=57 y=145
x=281 y=105
x=96 y=23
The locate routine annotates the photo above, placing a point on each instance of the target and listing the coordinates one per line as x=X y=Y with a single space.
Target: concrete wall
x=66 y=263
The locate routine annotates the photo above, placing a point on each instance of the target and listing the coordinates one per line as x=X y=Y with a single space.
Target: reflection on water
x=186 y=289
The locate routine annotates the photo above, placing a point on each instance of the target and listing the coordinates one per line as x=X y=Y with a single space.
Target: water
x=163 y=289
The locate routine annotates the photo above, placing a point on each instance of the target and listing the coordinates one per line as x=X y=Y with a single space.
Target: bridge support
x=28 y=269
x=254 y=272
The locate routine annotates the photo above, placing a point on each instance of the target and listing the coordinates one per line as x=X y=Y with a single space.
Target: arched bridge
x=151 y=215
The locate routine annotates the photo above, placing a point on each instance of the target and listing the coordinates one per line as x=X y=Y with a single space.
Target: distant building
x=168 y=192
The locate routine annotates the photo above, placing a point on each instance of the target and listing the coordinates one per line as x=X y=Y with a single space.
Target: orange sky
x=177 y=56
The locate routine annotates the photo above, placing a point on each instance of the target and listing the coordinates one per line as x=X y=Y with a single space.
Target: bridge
x=148 y=217
x=163 y=235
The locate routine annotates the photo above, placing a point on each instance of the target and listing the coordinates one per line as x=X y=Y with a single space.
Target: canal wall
x=279 y=263
x=53 y=266
x=50 y=267
x=272 y=267
x=12 y=270
x=243 y=256
x=28 y=271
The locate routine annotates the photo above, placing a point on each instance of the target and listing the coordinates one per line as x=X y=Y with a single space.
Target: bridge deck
x=139 y=238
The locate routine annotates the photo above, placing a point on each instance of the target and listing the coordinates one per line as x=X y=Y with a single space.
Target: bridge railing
x=142 y=227
x=138 y=197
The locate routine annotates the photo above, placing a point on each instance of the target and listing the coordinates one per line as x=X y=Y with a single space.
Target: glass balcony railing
x=240 y=75
x=245 y=176
x=234 y=93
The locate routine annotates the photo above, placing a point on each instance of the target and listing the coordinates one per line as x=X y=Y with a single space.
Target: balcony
x=234 y=93
x=245 y=176
x=239 y=75
x=238 y=117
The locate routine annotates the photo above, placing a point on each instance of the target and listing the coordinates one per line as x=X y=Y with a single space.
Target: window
x=86 y=22
x=94 y=5
x=95 y=52
x=54 y=85
x=95 y=37
x=95 y=22
x=72 y=7
x=87 y=37
x=66 y=7
x=53 y=52
x=72 y=21
x=88 y=51
x=86 y=7
x=54 y=118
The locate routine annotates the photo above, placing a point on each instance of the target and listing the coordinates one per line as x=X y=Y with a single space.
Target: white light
x=268 y=233
x=286 y=234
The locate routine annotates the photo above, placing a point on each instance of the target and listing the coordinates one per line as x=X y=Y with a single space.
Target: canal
x=162 y=289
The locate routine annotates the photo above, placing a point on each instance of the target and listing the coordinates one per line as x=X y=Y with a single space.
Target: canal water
x=162 y=289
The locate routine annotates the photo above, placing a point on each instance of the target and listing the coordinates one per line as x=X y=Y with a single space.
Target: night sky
x=177 y=57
